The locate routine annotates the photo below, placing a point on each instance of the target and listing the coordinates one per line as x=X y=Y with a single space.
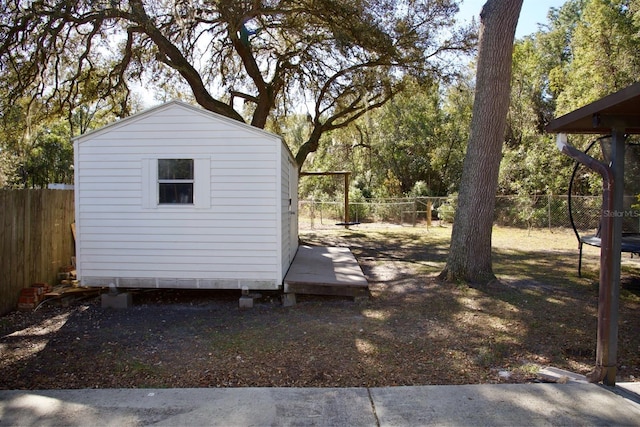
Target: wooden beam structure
x=347 y=222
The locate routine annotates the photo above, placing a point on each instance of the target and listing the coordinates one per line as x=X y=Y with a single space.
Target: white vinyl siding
x=229 y=237
x=289 y=206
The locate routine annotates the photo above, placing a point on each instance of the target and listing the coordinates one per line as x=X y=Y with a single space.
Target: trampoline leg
x=580 y=260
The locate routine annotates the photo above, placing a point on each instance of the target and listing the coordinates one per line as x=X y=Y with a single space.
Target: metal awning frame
x=617 y=114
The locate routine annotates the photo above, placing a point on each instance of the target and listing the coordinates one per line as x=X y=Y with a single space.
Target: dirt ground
x=413 y=330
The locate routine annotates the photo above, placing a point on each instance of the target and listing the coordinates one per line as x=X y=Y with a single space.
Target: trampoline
x=581 y=224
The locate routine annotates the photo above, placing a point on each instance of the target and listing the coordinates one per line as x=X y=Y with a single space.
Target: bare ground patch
x=413 y=330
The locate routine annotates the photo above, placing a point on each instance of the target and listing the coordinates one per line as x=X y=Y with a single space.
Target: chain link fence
x=537 y=211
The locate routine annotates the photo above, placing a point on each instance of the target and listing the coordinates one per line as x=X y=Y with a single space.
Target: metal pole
x=346 y=200
x=608 y=300
x=605 y=369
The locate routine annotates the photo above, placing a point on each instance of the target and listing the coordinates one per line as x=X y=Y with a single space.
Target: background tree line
x=404 y=134
x=415 y=144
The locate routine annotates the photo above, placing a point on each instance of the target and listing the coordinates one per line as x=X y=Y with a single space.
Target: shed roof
x=170 y=104
x=619 y=110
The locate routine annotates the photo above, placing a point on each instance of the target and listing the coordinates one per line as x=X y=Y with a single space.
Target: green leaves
x=604 y=46
x=252 y=61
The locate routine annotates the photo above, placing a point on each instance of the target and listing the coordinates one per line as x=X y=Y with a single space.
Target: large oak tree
x=335 y=58
x=470 y=252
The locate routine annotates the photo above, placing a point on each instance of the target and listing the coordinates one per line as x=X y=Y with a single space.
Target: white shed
x=180 y=197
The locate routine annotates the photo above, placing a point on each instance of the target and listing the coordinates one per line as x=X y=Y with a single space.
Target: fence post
x=549 y=199
x=313 y=212
x=415 y=212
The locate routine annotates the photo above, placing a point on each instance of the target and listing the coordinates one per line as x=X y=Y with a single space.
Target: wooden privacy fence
x=35 y=239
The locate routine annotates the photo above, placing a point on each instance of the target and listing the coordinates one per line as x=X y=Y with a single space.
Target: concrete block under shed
x=288 y=299
x=118 y=301
x=246 y=301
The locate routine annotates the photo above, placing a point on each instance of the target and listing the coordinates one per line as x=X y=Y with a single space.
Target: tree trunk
x=310 y=146
x=470 y=252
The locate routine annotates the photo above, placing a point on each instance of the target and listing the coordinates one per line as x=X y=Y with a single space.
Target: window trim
x=202 y=185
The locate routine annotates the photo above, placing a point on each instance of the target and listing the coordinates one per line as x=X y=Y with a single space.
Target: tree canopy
x=413 y=145
x=246 y=59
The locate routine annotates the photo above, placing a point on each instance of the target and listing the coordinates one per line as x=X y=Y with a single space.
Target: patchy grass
x=413 y=330
x=540 y=312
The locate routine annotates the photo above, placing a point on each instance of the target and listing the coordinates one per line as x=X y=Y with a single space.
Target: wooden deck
x=320 y=270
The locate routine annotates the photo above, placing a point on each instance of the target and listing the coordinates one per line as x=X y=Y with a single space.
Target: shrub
x=447 y=210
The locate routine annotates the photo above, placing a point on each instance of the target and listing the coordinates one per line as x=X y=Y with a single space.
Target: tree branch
x=174 y=58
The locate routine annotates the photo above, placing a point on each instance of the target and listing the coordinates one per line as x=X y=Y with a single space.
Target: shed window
x=175 y=181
